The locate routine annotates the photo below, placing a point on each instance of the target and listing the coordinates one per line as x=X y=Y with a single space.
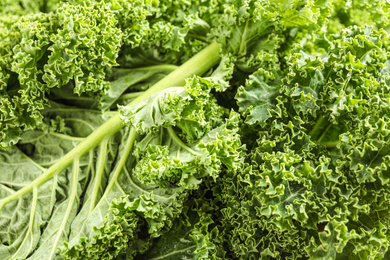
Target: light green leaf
x=160 y=109
x=122 y=80
x=257 y=98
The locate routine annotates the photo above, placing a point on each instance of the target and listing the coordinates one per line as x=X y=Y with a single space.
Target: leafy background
x=281 y=151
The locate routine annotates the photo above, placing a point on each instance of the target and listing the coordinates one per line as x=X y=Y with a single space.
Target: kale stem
x=243 y=40
x=323 y=133
x=317 y=136
x=197 y=65
x=317 y=126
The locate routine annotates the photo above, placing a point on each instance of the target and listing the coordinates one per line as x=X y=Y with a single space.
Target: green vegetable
x=235 y=129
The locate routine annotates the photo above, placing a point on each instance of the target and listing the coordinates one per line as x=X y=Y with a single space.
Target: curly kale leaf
x=316 y=181
x=48 y=50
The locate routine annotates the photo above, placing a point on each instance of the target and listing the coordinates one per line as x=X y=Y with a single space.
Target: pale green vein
x=12 y=184
x=53 y=192
x=173 y=253
x=71 y=200
x=101 y=162
x=68 y=137
x=317 y=126
x=91 y=165
x=243 y=42
x=121 y=163
x=133 y=184
x=5 y=187
x=31 y=221
x=34 y=163
x=180 y=142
